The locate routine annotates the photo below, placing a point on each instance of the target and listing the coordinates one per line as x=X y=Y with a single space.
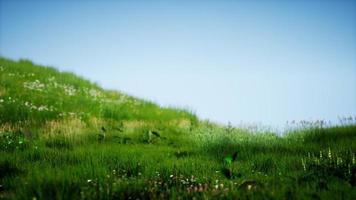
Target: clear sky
x=239 y=61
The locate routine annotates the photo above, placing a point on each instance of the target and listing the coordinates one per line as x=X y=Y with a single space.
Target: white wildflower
x=42 y=108
x=11 y=100
x=69 y=90
x=36 y=85
x=38 y=108
x=94 y=93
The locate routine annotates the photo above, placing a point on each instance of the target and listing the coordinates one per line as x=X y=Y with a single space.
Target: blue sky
x=240 y=61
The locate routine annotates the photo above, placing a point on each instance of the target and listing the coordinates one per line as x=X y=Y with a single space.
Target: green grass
x=37 y=94
x=75 y=140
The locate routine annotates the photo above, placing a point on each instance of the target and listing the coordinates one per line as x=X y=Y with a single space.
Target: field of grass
x=63 y=137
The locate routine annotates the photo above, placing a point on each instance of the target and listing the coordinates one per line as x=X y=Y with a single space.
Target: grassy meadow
x=63 y=137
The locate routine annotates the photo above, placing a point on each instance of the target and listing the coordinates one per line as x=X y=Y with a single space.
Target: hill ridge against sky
x=38 y=93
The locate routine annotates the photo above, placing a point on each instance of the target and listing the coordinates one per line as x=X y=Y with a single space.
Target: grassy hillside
x=37 y=94
x=63 y=137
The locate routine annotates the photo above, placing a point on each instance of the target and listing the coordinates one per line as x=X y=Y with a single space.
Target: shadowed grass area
x=63 y=168
x=62 y=137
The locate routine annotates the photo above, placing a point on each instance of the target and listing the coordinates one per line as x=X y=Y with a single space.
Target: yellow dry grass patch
x=68 y=127
x=179 y=123
x=184 y=124
x=134 y=124
x=97 y=123
x=2 y=91
x=8 y=127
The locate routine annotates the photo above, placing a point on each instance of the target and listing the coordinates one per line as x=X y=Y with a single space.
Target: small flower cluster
x=71 y=114
x=20 y=75
x=331 y=163
x=93 y=93
x=40 y=108
x=69 y=89
x=218 y=186
x=187 y=184
x=8 y=100
x=12 y=141
x=121 y=100
x=36 y=85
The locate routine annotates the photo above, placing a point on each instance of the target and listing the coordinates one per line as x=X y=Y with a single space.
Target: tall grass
x=75 y=140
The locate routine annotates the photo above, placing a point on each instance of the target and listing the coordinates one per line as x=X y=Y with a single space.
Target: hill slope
x=63 y=137
x=35 y=94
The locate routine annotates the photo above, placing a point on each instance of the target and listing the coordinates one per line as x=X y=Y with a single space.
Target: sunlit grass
x=62 y=137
